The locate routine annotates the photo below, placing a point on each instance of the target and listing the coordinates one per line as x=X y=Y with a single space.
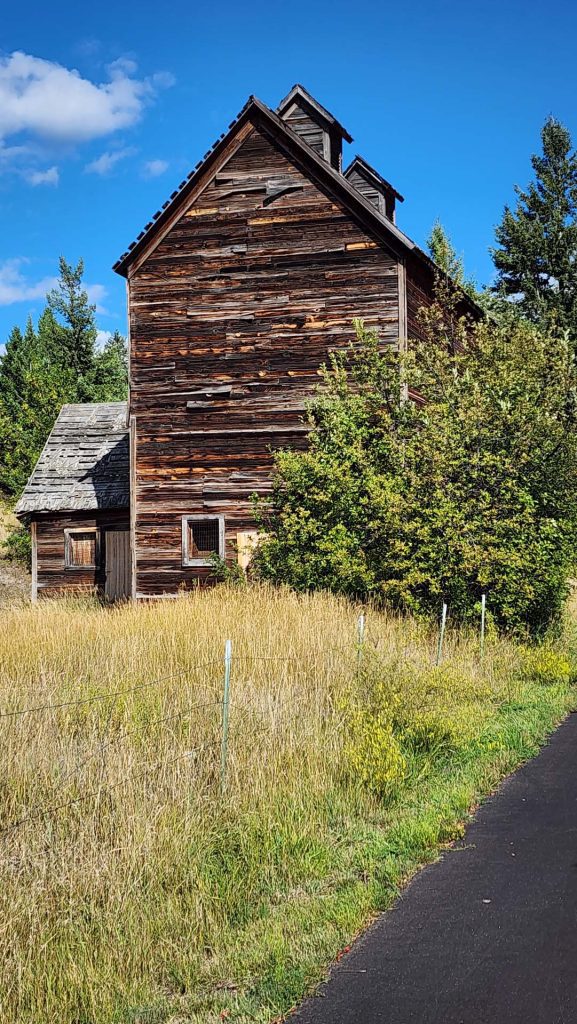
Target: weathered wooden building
x=79 y=504
x=237 y=289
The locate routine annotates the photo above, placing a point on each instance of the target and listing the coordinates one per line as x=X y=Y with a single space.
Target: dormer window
x=373 y=187
x=315 y=125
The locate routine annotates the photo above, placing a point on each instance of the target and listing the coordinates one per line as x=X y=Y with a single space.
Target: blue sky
x=105 y=107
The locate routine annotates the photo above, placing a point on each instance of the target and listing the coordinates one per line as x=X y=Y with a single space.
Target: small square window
x=202 y=538
x=81 y=549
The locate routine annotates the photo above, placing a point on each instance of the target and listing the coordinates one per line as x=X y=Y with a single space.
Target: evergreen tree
x=75 y=330
x=110 y=381
x=43 y=369
x=12 y=366
x=537 y=256
x=442 y=252
x=33 y=387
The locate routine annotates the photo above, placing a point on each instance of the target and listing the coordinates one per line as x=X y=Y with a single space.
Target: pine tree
x=11 y=370
x=442 y=252
x=75 y=331
x=110 y=380
x=537 y=256
x=43 y=369
x=33 y=387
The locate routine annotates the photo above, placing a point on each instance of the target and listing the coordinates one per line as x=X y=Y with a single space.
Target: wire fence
x=355 y=650
x=245 y=709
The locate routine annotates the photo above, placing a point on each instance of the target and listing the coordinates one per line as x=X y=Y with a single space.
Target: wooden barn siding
x=367 y=190
x=51 y=573
x=420 y=292
x=310 y=130
x=251 y=290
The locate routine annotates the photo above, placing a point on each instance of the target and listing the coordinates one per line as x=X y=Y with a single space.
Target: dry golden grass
x=131 y=889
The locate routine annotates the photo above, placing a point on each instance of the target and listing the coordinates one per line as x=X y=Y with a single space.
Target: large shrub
x=468 y=486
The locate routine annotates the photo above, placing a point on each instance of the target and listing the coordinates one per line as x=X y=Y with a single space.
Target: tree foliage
x=413 y=502
x=43 y=368
x=443 y=253
x=536 y=258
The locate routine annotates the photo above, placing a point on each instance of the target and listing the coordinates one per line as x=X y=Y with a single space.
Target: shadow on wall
x=110 y=477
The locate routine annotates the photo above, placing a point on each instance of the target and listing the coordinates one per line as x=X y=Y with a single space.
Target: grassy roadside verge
x=283 y=955
x=132 y=891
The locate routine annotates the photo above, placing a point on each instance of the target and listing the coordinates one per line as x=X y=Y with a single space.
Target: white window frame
x=68 y=534
x=187 y=561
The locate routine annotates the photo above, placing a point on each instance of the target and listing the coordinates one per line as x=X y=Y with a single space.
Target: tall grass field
x=144 y=879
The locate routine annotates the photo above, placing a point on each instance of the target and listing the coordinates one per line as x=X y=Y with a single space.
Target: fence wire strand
x=109 y=695
x=54 y=808
x=259 y=715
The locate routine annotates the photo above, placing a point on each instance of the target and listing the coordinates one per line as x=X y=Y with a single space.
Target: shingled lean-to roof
x=84 y=464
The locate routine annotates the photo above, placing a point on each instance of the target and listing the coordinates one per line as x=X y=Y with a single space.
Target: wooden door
x=117 y=584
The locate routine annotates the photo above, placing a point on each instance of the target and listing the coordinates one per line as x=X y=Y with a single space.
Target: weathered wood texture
x=52 y=574
x=117 y=585
x=373 y=186
x=420 y=288
x=420 y=291
x=250 y=288
x=367 y=189
x=84 y=463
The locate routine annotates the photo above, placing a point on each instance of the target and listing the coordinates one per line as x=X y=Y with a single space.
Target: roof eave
x=161 y=216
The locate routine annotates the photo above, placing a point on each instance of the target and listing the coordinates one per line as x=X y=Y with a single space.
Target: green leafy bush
x=410 y=502
x=17 y=547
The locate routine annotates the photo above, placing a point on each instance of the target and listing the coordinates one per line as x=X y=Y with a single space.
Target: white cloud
x=122 y=66
x=154 y=168
x=106 y=161
x=54 y=103
x=96 y=293
x=50 y=176
x=163 y=79
x=15 y=287
x=101 y=338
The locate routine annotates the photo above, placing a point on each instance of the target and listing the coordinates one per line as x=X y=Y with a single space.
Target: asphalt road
x=488 y=934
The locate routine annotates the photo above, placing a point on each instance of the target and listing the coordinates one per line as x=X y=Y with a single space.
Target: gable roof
x=271 y=124
x=84 y=464
x=262 y=117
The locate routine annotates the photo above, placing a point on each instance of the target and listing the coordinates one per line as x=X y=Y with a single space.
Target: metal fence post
x=441 y=634
x=361 y=640
x=483 y=608
x=225 y=710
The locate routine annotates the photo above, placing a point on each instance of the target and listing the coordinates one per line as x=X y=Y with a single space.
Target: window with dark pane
x=81 y=549
x=203 y=538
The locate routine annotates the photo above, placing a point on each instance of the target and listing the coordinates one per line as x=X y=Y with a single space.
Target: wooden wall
x=52 y=575
x=420 y=292
x=254 y=284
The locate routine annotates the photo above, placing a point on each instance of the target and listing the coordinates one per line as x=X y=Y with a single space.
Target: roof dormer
x=373 y=187
x=315 y=125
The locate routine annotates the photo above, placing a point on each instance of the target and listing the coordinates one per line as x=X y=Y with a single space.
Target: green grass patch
x=154 y=899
